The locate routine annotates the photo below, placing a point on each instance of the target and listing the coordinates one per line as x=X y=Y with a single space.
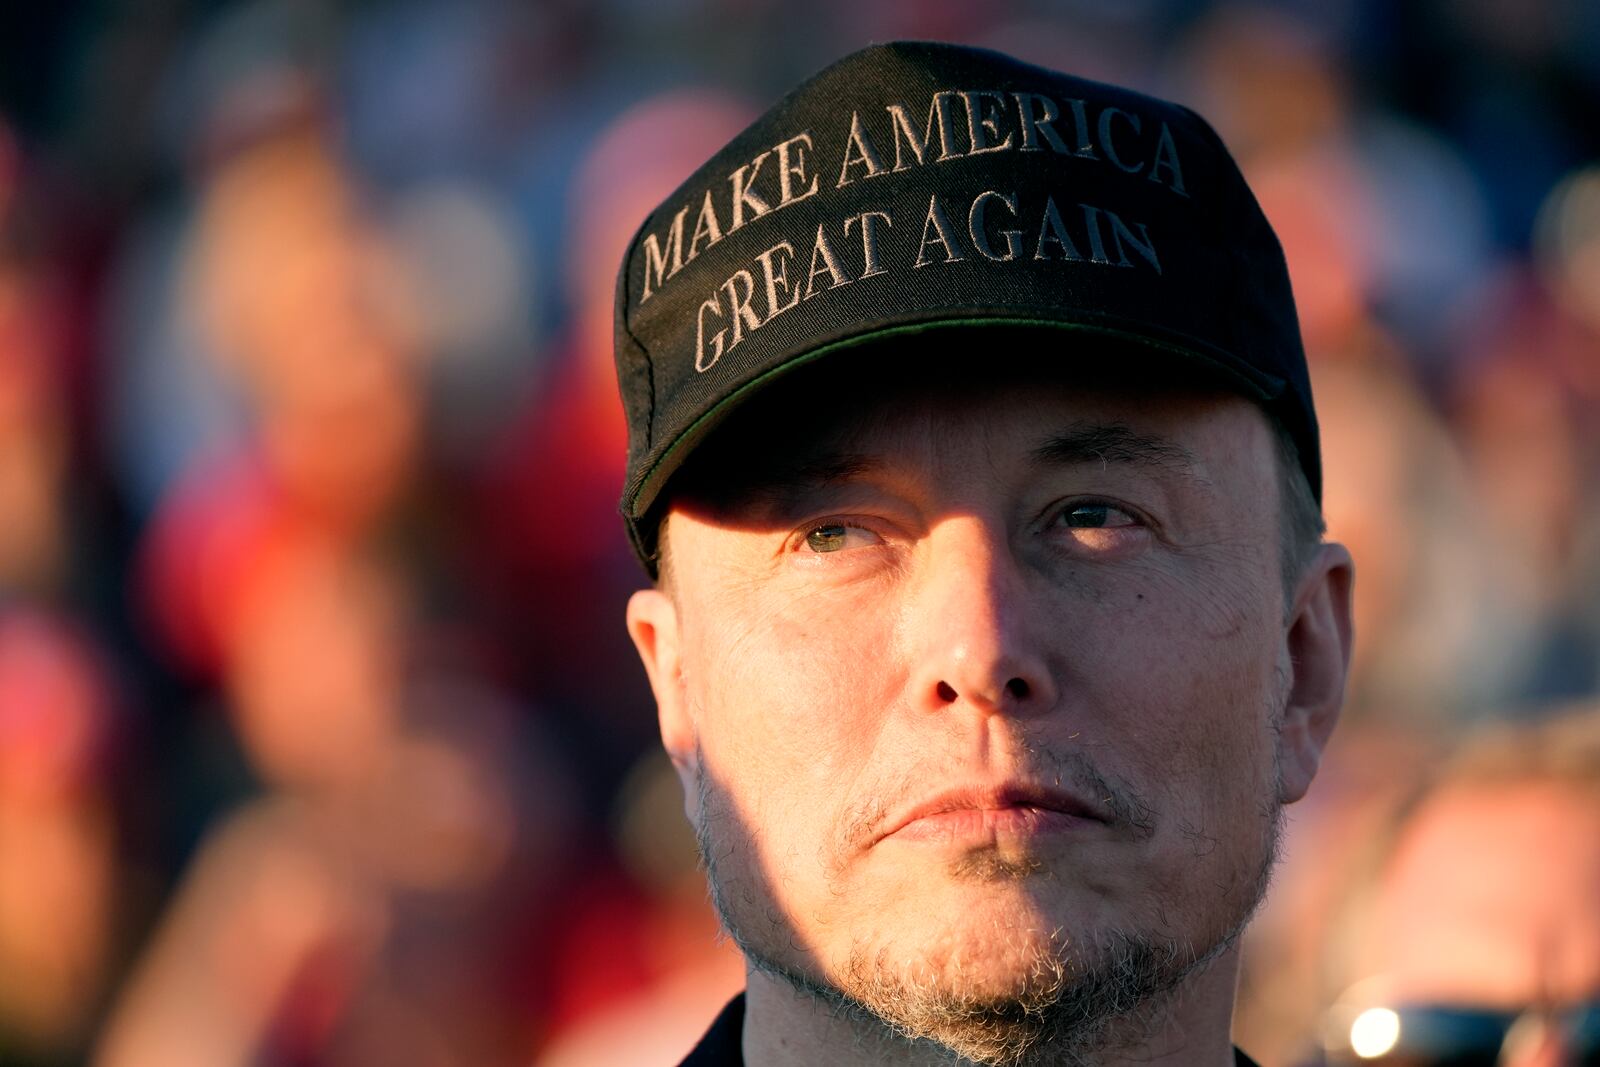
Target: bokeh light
x=1374 y=1033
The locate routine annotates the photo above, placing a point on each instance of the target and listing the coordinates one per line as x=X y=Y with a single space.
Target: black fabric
x=918 y=186
x=720 y=1046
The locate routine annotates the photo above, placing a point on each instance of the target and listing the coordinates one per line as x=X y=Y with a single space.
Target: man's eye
x=1099 y=528
x=834 y=536
x=1094 y=517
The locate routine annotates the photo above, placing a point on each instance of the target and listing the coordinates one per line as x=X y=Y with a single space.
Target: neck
x=788 y=1027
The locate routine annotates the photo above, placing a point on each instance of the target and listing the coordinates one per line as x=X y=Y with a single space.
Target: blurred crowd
x=321 y=741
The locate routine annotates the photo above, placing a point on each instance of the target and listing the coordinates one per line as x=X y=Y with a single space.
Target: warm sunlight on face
x=977 y=691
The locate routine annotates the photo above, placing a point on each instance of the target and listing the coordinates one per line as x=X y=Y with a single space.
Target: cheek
x=1189 y=730
x=1182 y=684
x=790 y=703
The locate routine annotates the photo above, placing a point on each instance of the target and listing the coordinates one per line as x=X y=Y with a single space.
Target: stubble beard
x=1073 y=999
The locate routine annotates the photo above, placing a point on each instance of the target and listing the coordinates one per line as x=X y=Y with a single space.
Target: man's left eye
x=1095 y=516
x=1097 y=528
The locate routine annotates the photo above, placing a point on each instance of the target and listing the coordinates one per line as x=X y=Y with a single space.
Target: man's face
x=976 y=688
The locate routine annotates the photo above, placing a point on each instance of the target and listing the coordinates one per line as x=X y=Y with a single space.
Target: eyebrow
x=1107 y=443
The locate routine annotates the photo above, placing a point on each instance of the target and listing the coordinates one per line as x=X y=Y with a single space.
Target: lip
x=986 y=812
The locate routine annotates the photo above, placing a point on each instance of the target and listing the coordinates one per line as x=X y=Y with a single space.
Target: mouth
x=979 y=814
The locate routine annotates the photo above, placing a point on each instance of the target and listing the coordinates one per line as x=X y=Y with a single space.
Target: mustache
x=1121 y=805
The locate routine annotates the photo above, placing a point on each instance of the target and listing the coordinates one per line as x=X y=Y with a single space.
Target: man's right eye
x=835 y=536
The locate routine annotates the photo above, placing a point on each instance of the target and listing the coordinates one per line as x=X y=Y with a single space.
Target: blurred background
x=321 y=741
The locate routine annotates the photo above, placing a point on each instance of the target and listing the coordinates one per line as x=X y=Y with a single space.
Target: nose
x=974 y=627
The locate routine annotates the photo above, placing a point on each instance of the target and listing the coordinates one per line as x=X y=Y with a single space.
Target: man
x=1478 y=939
x=972 y=449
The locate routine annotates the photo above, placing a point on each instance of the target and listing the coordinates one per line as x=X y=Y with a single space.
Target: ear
x=653 y=625
x=1318 y=638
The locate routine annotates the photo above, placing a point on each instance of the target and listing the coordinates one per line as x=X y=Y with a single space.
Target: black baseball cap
x=917 y=186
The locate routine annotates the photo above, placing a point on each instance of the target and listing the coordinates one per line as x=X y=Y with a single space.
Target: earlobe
x=653 y=625
x=1318 y=636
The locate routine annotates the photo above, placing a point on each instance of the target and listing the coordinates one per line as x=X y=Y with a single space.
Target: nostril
x=946 y=694
x=1017 y=688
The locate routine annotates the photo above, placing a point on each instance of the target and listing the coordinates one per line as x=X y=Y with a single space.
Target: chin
x=1010 y=994
x=995 y=946
x=994 y=899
